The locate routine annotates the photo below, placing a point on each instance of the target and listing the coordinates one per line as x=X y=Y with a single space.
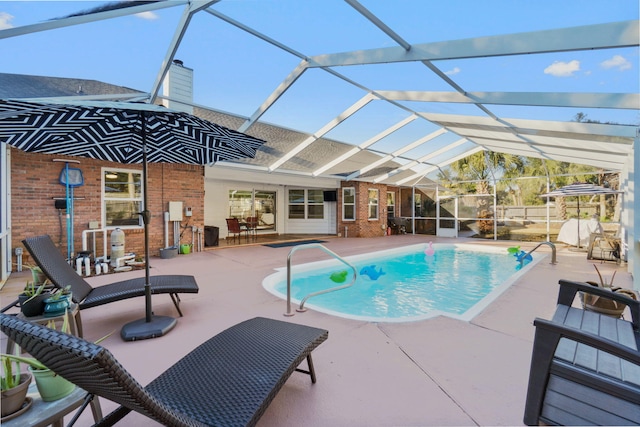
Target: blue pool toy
x=339 y=276
x=370 y=271
x=523 y=256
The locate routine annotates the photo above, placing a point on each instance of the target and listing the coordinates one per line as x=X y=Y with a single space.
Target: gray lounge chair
x=229 y=380
x=61 y=274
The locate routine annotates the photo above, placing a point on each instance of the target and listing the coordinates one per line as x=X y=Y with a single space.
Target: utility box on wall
x=175 y=211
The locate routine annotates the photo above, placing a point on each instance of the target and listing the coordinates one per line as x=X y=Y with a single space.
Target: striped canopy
x=580 y=189
x=114 y=131
x=122 y=132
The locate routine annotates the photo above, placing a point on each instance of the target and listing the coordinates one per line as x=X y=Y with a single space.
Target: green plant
x=35 y=363
x=60 y=293
x=32 y=291
x=9 y=379
x=37 y=275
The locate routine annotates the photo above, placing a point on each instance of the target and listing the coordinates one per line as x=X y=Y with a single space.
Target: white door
x=447 y=217
x=5 y=215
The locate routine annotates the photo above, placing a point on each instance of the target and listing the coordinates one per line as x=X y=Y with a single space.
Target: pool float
x=523 y=256
x=339 y=276
x=370 y=271
x=430 y=251
x=514 y=250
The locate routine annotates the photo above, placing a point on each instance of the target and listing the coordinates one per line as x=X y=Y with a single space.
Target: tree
x=477 y=170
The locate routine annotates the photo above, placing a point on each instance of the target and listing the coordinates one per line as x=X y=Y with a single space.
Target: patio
x=434 y=372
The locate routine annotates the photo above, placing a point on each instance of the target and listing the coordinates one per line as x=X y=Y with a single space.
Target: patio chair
x=229 y=380
x=235 y=229
x=252 y=226
x=604 y=246
x=61 y=274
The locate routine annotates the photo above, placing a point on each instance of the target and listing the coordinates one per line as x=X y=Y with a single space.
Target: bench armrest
x=600 y=343
x=569 y=289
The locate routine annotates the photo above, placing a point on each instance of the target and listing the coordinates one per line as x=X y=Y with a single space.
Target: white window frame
x=302 y=203
x=391 y=205
x=373 y=204
x=306 y=203
x=104 y=197
x=352 y=204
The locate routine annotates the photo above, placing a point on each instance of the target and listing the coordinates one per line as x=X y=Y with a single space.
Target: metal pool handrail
x=553 y=252
x=313 y=294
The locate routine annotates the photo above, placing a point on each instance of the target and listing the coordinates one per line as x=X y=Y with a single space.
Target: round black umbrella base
x=142 y=330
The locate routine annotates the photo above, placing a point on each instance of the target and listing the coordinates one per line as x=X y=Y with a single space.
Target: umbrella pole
x=578 y=209
x=151 y=326
x=69 y=210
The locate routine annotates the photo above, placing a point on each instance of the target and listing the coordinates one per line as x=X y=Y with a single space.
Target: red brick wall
x=35 y=182
x=362 y=226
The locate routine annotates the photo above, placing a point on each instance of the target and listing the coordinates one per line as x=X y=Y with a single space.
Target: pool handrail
x=553 y=253
x=301 y=308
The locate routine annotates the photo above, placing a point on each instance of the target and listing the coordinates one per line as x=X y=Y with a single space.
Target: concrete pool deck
x=439 y=371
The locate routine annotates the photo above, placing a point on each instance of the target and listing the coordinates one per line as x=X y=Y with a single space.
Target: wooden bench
x=585 y=366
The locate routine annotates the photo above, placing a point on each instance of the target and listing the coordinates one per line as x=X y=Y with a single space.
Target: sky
x=236 y=72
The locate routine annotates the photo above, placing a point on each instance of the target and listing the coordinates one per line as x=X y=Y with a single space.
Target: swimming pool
x=406 y=284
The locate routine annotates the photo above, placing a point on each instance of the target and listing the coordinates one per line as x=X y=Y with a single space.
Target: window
x=391 y=204
x=348 y=204
x=373 y=203
x=296 y=204
x=306 y=204
x=122 y=197
x=315 y=204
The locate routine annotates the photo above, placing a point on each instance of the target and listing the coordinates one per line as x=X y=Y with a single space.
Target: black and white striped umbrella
x=123 y=132
x=580 y=189
x=114 y=131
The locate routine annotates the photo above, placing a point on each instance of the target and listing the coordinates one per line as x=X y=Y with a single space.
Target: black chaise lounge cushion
x=229 y=380
x=61 y=274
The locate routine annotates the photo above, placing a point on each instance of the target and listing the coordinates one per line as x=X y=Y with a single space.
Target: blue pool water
x=457 y=280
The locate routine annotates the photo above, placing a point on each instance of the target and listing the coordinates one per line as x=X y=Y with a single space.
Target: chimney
x=178 y=85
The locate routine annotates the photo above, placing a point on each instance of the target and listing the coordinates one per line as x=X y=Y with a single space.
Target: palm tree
x=476 y=170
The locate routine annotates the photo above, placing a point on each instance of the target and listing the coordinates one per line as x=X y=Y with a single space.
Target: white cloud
x=147 y=15
x=5 y=20
x=617 y=61
x=563 y=69
x=453 y=72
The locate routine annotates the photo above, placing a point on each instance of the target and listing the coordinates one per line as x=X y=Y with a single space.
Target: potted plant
x=32 y=299
x=38 y=277
x=51 y=386
x=602 y=304
x=58 y=302
x=14 y=385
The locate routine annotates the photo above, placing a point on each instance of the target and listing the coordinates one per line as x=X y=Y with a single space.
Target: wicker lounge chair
x=229 y=380
x=61 y=274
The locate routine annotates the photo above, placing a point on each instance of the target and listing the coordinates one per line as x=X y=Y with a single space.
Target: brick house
x=286 y=204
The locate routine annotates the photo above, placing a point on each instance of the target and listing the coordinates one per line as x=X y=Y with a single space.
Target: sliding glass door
x=254 y=203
